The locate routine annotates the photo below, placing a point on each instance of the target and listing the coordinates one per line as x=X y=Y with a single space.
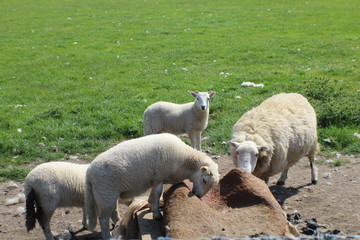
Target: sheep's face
x=247 y=154
x=205 y=179
x=202 y=99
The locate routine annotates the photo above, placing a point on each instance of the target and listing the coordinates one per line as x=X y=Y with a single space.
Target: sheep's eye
x=204 y=181
x=256 y=155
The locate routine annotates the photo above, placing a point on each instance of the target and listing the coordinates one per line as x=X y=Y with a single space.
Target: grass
x=77 y=76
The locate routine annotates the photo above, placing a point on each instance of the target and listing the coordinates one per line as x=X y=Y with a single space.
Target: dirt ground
x=334 y=202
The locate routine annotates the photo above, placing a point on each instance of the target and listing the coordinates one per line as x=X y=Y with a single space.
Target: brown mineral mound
x=241 y=205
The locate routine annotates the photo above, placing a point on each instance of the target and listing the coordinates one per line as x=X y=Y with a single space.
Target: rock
x=20 y=198
x=329 y=161
x=312 y=227
x=327 y=175
x=12 y=185
x=42 y=145
x=12 y=201
x=20 y=210
x=73 y=157
x=240 y=205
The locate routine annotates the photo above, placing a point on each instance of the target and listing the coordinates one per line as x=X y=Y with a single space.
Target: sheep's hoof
x=280 y=183
x=314 y=182
x=71 y=231
x=158 y=218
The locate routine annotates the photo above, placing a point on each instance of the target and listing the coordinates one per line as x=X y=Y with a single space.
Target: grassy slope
x=86 y=70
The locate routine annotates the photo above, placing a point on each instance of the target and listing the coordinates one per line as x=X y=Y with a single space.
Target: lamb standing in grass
x=52 y=185
x=131 y=167
x=190 y=118
x=272 y=137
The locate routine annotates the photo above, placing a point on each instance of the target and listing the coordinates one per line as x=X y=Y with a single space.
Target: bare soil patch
x=334 y=202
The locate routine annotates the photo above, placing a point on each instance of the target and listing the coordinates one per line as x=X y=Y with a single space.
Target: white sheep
x=131 y=167
x=51 y=185
x=190 y=118
x=272 y=137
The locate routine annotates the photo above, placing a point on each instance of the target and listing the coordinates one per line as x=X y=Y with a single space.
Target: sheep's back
x=167 y=117
x=61 y=182
x=148 y=158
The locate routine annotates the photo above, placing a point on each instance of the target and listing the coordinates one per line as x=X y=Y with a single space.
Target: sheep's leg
x=195 y=139
x=106 y=202
x=44 y=221
x=84 y=219
x=154 y=200
x=314 y=171
x=104 y=219
x=282 y=178
x=115 y=215
x=198 y=141
x=192 y=139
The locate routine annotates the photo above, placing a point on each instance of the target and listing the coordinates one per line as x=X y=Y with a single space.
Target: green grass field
x=75 y=77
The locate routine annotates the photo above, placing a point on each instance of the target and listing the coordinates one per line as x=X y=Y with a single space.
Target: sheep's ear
x=234 y=144
x=262 y=151
x=262 y=148
x=194 y=94
x=204 y=169
x=212 y=94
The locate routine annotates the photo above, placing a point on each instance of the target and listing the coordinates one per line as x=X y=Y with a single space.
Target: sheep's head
x=247 y=154
x=205 y=179
x=202 y=99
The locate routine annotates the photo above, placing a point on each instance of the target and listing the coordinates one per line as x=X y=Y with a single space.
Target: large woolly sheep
x=272 y=137
x=131 y=167
x=52 y=185
x=190 y=118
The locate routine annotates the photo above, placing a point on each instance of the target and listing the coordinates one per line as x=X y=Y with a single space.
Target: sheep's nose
x=203 y=107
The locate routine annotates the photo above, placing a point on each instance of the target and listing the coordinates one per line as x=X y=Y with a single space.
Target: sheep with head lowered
x=131 y=167
x=190 y=118
x=273 y=136
x=51 y=185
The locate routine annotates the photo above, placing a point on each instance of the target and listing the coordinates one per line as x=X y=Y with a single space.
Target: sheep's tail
x=148 y=128
x=30 y=218
x=151 y=125
x=317 y=147
x=90 y=206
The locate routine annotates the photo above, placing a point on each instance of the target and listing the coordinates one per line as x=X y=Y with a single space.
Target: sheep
x=190 y=118
x=51 y=185
x=272 y=137
x=131 y=167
